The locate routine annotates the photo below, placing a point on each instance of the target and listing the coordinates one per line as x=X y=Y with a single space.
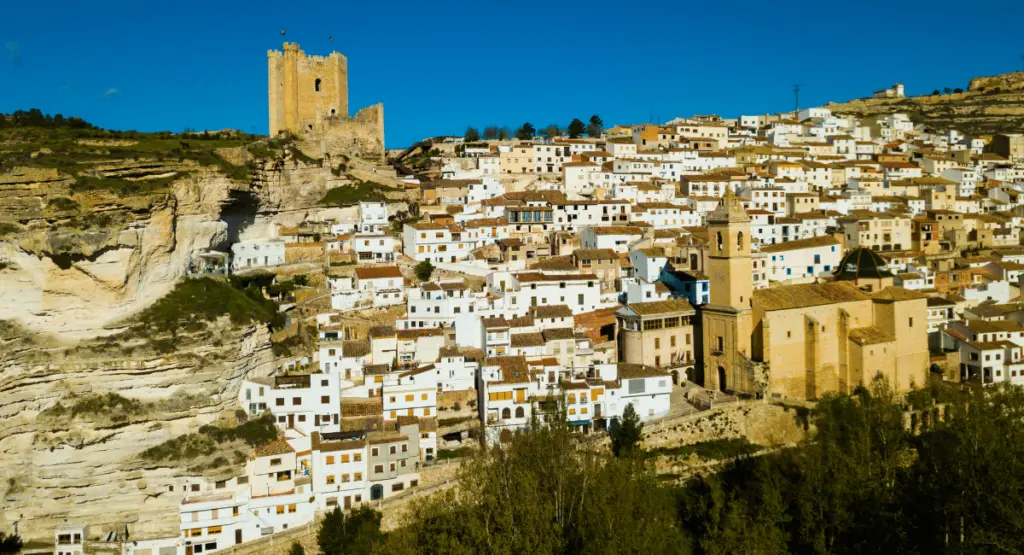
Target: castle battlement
x=308 y=95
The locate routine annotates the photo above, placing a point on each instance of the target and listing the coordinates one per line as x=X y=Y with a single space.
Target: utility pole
x=796 y=101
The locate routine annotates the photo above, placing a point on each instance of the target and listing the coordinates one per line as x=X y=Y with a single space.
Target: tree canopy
x=354 y=533
x=540 y=494
x=424 y=270
x=526 y=132
x=551 y=131
x=595 y=127
x=576 y=128
x=627 y=432
x=863 y=484
x=34 y=117
x=472 y=135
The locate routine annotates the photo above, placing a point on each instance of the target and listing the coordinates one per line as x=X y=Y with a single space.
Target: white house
x=374 y=247
x=373 y=217
x=619 y=238
x=384 y=284
x=648 y=262
x=303 y=402
x=257 y=254
x=802 y=260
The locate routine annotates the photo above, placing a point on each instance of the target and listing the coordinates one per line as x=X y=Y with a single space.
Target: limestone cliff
x=88 y=238
x=88 y=468
x=75 y=261
x=992 y=104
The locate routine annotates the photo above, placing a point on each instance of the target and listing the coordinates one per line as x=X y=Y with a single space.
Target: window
x=374 y=452
x=344 y=478
x=378 y=468
x=292 y=508
x=279 y=510
x=910 y=322
x=275 y=462
x=344 y=458
x=672 y=341
x=325 y=399
x=330 y=460
x=357 y=457
x=279 y=402
x=316 y=85
x=393 y=449
x=296 y=400
x=234 y=511
x=657 y=342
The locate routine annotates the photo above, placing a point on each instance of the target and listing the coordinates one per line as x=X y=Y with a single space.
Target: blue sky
x=440 y=66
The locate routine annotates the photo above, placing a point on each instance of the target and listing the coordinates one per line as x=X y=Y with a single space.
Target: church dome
x=862 y=263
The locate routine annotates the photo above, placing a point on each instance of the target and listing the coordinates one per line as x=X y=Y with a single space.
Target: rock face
x=71 y=272
x=993 y=104
x=88 y=469
x=75 y=263
x=81 y=261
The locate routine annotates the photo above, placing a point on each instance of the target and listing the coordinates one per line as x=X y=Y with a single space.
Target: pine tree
x=596 y=126
x=526 y=132
x=627 y=435
x=355 y=533
x=576 y=128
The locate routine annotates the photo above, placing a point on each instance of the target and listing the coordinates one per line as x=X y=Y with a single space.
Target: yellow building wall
x=806 y=348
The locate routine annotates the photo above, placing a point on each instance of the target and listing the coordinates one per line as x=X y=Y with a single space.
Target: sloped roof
x=870 y=335
x=551 y=311
x=894 y=293
x=805 y=295
x=631 y=371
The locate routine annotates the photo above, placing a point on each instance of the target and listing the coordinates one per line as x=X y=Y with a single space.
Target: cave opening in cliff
x=239 y=212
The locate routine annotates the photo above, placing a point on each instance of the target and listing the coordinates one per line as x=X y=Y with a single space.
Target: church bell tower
x=726 y=320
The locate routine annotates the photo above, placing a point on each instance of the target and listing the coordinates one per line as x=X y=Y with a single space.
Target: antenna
x=796 y=101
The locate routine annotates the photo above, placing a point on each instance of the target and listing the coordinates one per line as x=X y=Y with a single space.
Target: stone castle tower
x=303 y=90
x=308 y=97
x=727 y=318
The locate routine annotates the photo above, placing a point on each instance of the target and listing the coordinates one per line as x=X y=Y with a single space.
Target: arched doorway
x=721 y=379
x=376 y=492
x=675 y=377
x=691 y=374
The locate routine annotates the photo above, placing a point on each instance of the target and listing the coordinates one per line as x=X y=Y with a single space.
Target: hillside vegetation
x=194 y=304
x=990 y=105
x=864 y=484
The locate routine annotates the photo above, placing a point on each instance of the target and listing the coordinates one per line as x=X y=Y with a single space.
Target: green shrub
x=7 y=229
x=204 y=300
x=115 y=406
x=63 y=204
x=443 y=454
x=361 y=191
x=715 y=449
x=206 y=442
